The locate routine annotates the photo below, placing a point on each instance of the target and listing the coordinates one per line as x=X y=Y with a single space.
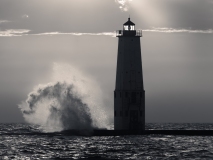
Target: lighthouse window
x=129 y=27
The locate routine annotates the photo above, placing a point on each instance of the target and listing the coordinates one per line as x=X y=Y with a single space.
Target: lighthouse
x=129 y=94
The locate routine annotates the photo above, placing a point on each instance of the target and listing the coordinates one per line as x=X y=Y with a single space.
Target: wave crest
x=70 y=102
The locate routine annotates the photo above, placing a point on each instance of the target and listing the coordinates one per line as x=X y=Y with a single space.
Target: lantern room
x=129 y=30
x=129 y=26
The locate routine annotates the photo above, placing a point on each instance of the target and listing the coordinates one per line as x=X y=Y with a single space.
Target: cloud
x=173 y=30
x=77 y=34
x=25 y=32
x=4 y=21
x=163 y=30
x=25 y=16
x=13 y=32
x=123 y=4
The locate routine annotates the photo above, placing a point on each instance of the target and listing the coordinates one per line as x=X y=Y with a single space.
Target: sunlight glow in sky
x=149 y=12
x=124 y=4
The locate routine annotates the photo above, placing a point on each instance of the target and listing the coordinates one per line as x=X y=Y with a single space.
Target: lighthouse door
x=133 y=120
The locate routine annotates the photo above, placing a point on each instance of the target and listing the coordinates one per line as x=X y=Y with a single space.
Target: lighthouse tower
x=129 y=94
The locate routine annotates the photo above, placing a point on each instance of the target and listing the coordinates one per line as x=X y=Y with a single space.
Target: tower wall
x=129 y=94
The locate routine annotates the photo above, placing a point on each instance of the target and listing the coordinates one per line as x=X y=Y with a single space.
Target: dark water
x=16 y=143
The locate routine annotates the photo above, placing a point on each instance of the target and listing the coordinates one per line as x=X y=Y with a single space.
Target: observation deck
x=129 y=33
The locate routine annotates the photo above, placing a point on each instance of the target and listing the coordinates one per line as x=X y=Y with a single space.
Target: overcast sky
x=177 y=51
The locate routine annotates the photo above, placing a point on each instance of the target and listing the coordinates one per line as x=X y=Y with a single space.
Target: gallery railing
x=137 y=33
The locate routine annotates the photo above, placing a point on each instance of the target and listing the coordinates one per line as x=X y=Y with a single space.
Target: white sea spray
x=73 y=100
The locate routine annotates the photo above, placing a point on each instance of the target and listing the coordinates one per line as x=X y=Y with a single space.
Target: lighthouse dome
x=129 y=22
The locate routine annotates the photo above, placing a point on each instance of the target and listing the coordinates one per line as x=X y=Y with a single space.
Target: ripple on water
x=109 y=147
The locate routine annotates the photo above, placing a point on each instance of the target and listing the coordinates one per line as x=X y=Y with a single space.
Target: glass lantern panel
x=126 y=27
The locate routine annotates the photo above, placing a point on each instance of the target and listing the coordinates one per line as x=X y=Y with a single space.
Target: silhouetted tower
x=129 y=94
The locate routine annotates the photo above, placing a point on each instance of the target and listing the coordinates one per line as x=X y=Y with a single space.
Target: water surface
x=24 y=146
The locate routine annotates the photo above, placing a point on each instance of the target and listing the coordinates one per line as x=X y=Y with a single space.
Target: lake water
x=16 y=143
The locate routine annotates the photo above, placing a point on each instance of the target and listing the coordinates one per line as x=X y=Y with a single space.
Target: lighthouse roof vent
x=129 y=23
